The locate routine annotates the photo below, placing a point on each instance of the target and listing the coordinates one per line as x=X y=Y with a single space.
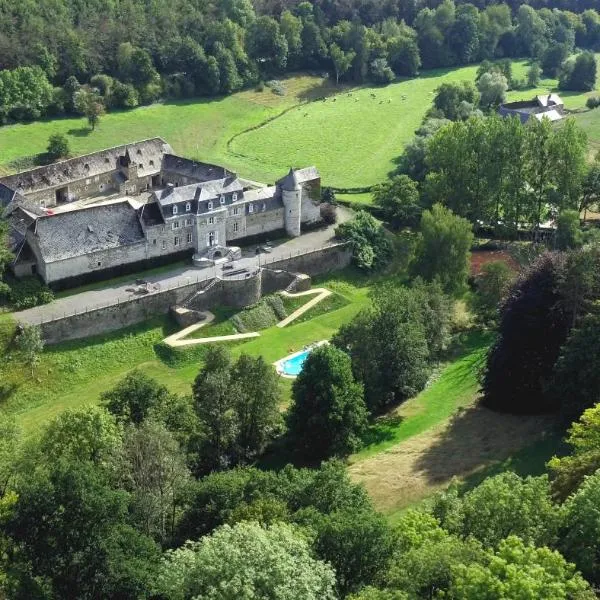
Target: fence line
x=187 y=280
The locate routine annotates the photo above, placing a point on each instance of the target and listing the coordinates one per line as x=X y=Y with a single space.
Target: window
x=188 y=207
x=86 y=167
x=151 y=163
x=154 y=242
x=234 y=196
x=99 y=264
x=236 y=227
x=250 y=208
x=235 y=210
x=188 y=222
x=140 y=166
x=88 y=181
x=164 y=244
x=222 y=199
x=211 y=220
x=176 y=241
x=189 y=238
x=210 y=206
x=174 y=209
x=175 y=224
x=139 y=151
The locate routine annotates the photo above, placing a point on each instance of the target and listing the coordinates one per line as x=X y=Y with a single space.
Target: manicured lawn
x=455 y=386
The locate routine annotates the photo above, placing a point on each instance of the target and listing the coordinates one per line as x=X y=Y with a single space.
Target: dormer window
x=250 y=208
x=188 y=207
x=234 y=196
x=174 y=209
x=222 y=199
x=139 y=151
x=210 y=206
x=86 y=167
x=140 y=166
x=107 y=160
x=151 y=163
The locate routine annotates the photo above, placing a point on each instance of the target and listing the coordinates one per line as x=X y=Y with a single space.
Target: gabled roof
x=552 y=115
x=296 y=177
x=194 y=170
x=147 y=153
x=208 y=190
x=80 y=232
x=546 y=100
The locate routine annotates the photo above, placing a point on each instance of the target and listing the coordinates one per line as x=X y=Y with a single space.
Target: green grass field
x=353 y=140
x=74 y=373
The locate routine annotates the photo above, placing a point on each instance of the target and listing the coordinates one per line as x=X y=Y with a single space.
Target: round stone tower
x=291 y=194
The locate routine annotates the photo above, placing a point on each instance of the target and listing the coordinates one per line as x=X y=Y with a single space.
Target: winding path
x=179 y=339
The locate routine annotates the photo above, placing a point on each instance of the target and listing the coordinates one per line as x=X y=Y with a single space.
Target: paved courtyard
x=111 y=294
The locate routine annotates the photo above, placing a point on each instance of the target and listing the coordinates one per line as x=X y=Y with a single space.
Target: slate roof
x=296 y=177
x=192 y=169
x=18 y=222
x=208 y=190
x=148 y=153
x=80 y=232
x=552 y=115
x=6 y=196
x=150 y=214
x=546 y=100
x=265 y=193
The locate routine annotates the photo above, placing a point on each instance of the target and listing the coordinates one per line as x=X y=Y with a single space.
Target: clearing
x=442 y=434
x=352 y=137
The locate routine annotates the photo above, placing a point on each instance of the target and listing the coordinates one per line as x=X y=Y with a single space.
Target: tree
x=575 y=384
x=580 y=542
x=89 y=104
x=444 y=248
x=553 y=59
x=533 y=327
x=328 y=414
x=342 y=61
x=534 y=74
x=154 y=472
x=491 y=286
x=520 y=570
x=258 y=413
x=501 y=506
x=30 y=345
x=70 y=525
x=358 y=545
x=426 y=555
x=399 y=199
x=492 y=89
x=371 y=248
x=216 y=398
x=580 y=74
x=569 y=471
x=450 y=95
x=58 y=146
x=244 y=562
x=568 y=230
x=266 y=43
x=134 y=398
x=88 y=434
x=389 y=345
x=403 y=53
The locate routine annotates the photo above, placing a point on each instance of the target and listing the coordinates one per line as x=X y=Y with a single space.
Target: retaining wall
x=204 y=296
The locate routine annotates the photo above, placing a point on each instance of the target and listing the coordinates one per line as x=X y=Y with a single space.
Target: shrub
x=58 y=146
x=277 y=87
x=593 y=102
x=29 y=292
x=328 y=213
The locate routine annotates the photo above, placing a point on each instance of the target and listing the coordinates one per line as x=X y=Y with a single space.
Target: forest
x=84 y=57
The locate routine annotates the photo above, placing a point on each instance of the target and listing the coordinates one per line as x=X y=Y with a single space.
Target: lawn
x=455 y=386
x=74 y=373
x=352 y=137
x=443 y=434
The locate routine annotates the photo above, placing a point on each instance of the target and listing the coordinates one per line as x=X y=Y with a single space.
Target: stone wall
x=316 y=262
x=236 y=292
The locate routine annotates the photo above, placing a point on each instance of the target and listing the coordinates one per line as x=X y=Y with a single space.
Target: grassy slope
x=456 y=386
x=353 y=140
x=75 y=373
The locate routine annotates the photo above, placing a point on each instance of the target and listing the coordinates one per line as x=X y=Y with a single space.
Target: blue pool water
x=293 y=366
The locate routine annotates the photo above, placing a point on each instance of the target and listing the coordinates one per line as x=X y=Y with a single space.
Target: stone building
x=546 y=106
x=139 y=205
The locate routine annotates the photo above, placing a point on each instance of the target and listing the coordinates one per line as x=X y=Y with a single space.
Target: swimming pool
x=292 y=366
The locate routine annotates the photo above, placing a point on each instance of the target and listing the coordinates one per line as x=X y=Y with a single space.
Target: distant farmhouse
x=547 y=106
x=139 y=205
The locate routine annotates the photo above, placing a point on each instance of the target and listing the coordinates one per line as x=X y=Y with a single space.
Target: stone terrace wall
x=204 y=296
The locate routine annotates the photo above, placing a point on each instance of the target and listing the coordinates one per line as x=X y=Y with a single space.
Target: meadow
x=353 y=135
